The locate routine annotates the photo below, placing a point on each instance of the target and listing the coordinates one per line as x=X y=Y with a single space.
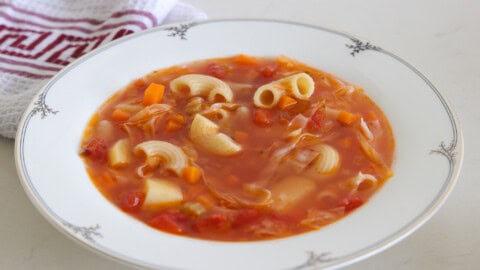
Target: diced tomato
x=177 y=215
x=217 y=70
x=212 y=222
x=132 y=201
x=167 y=222
x=245 y=216
x=268 y=70
x=96 y=149
x=140 y=83
x=263 y=117
x=351 y=203
x=316 y=120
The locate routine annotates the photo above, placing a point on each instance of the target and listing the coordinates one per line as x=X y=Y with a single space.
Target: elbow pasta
x=172 y=156
x=328 y=160
x=300 y=86
x=364 y=179
x=267 y=96
x=118 y=154
x=202 y=85
x=205 y=133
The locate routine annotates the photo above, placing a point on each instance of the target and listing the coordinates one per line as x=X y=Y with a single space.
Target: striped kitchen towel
x=39 y=37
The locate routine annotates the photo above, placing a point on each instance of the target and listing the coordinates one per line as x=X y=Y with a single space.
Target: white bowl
x=429 y=147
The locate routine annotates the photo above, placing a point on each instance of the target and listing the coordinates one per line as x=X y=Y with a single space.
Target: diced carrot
x=232 y=179
x=286 y=103
x=371 y=116
x=206 y=200
x=177 y=118
x=346 y=118
x=174 y=122
x=263 y=117
x=244 y=59
x=240 y=136
x=153 y=94
x=172 y=126
x=120 y=115
x=192 y=174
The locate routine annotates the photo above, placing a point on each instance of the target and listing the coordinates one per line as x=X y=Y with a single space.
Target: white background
x=440 y=38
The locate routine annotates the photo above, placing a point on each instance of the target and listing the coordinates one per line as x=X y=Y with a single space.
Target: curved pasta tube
x=205 y=133
x=220 y=110
x=172 y=156
x=365 y=179
x=267 y=96
x=300 y=86
x=328 y=160
x=195 y=105
x=202 y=85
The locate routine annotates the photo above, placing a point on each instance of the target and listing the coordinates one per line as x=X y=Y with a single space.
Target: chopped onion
x=299 y=121
x=365 y=130
x=368 y=150
x=149 y=112
x=252 y=196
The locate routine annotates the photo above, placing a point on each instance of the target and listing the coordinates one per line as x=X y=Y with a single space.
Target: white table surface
x=439 y=37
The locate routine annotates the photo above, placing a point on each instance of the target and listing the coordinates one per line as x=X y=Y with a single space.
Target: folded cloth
x=39 y=37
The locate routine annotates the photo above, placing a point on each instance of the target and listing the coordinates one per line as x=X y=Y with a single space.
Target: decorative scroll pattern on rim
x=446 y=150
x=87 y=232
x=314 y=260
x=179 y=30
x=358 y=46
x=41 y=107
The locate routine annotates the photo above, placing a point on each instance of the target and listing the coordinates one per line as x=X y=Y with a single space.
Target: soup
x=238 y=149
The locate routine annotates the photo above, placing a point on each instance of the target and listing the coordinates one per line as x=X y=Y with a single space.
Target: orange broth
x=207 y=210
